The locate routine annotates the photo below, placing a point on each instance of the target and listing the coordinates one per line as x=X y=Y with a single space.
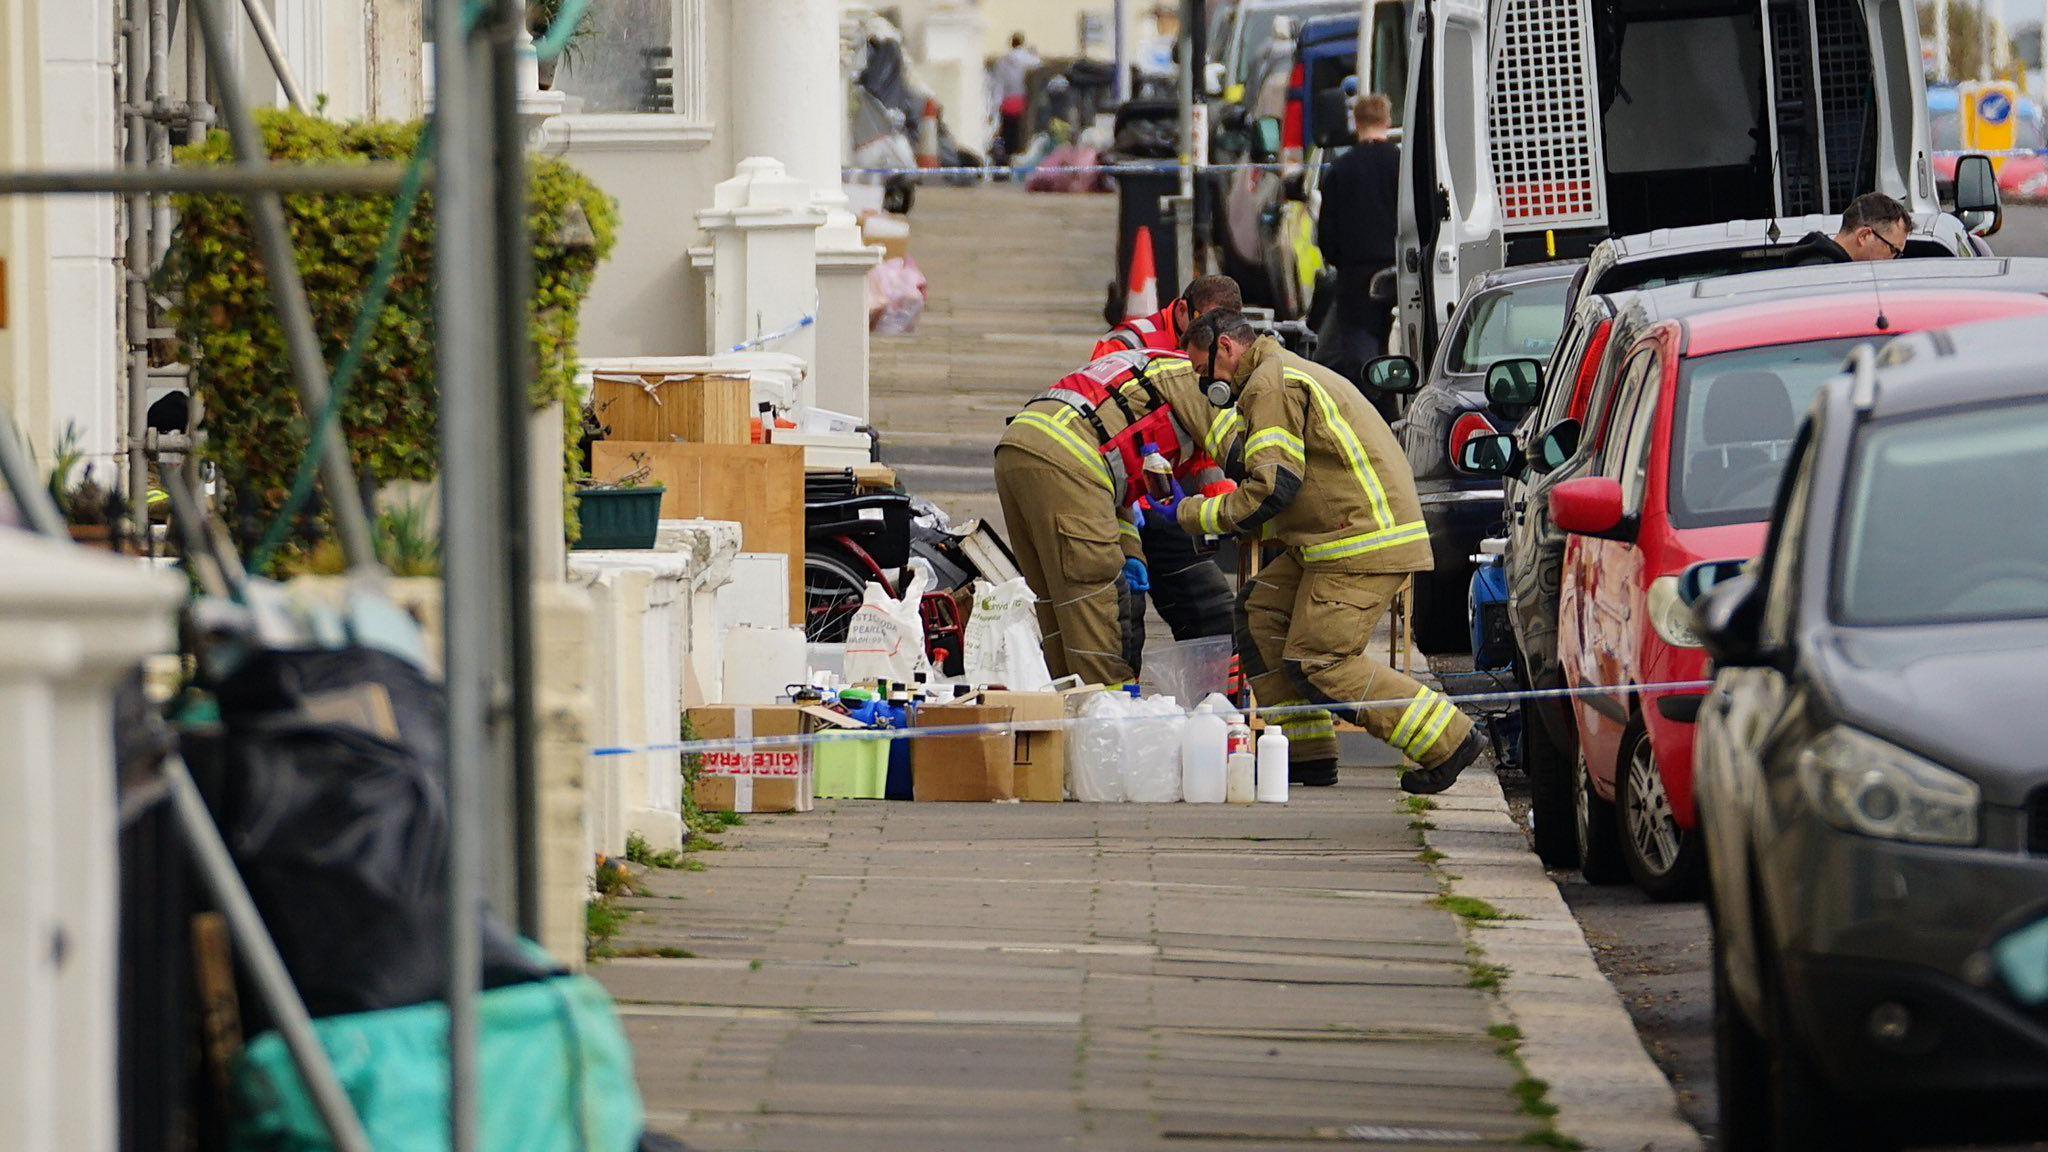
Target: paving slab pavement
x=945 y=976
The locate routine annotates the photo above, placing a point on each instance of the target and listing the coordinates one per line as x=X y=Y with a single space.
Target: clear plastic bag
x=1151 y=751
x=1095 y=748
x=1188 y=669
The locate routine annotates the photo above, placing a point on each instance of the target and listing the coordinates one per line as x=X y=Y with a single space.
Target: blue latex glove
x=1167 y=506
x=1136 y=577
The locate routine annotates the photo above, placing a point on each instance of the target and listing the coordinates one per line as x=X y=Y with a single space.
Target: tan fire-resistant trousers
x=1302 y=636
x=1063 y=530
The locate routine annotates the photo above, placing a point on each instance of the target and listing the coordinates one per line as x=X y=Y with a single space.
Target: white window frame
x=687 y=128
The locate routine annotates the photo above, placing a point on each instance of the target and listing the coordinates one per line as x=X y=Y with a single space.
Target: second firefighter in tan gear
x=1066 y=495
x=1324 y=478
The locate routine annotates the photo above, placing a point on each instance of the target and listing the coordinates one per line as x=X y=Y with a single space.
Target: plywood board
x=759 y=486
x=666 y=407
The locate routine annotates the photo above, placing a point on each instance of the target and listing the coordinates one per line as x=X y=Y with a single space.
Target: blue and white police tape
x=1126 y=168
x=1474 y=699
x=783 y=333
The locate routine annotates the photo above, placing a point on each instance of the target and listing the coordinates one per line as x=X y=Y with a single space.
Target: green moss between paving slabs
x=1469 y=908
x=643 y=854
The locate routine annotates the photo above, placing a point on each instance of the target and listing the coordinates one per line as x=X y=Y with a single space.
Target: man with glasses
x=1874 y=227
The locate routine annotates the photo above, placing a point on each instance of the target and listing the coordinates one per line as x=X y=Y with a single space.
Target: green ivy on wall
x=256 y=431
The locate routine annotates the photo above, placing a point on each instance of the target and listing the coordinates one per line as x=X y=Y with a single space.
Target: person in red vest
x=1190 y=593
x=1161 y=330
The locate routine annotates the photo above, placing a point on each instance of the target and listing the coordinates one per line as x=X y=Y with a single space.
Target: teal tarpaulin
x=555 y=1071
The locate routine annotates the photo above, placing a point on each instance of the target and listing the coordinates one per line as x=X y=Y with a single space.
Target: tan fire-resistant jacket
x=1324 y=474
x=1060 y=435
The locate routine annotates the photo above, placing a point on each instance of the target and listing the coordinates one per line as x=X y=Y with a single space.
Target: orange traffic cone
x=1141 y=287
x=928 y=136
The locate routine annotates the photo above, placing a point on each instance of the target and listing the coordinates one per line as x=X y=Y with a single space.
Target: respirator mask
x=1219 y=392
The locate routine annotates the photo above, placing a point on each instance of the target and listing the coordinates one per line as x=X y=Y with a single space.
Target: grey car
x=1872 y=763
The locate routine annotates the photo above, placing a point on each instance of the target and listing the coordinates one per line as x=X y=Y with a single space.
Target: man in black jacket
x=1874 y=227
x=1361 y=195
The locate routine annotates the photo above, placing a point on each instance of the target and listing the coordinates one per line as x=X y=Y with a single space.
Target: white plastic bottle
x=1240 y=779
x=1202 y=758
x=1272 y=773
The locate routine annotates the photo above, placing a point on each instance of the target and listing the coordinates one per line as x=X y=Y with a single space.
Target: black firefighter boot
x=1430 y=781
x=1313 y=773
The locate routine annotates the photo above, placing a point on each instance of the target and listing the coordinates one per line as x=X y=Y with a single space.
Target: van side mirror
x=1515 y=383
x=1394 y=375
x=1489 y=456
x=1383 y=286
x=1728 y=619
x=1556 y=446
x=1266 y=137
x=1976 y=184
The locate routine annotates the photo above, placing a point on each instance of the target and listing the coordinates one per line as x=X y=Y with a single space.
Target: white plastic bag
x=885 y=638
x=1151 y=747
x=1095 y=748
x=895 y=295
x=1003 y=644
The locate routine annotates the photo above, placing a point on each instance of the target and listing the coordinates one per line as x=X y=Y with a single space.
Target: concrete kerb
x=1576 y=1034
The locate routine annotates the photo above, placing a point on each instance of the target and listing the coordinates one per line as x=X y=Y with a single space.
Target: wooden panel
x=663 y=407
x=761 y=486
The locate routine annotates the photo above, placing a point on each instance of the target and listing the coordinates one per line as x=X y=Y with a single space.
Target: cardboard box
x=770 y=779
x=1038 y=757
x=972 y=767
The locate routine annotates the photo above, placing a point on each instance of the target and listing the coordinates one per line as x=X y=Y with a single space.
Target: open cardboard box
x=769 y=779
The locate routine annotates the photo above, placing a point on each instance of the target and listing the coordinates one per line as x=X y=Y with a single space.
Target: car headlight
x=1670 y=616
x=1863 y=784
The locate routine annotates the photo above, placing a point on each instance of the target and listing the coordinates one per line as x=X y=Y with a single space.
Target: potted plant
x=624 y=513
x=87 y=506
x=541 y=16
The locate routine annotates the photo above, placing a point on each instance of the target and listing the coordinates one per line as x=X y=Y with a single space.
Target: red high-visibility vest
x=1148 y=418
x=1155 y=332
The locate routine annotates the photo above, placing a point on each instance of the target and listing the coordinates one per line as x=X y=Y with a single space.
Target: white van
x=1537 y=128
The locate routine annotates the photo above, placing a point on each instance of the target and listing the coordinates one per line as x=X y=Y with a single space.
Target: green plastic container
x=848 y=766
x=618 y=517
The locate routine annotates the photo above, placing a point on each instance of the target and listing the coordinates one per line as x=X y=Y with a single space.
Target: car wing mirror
x=1266 y=137
x=1591 y=506
x=1695 y=582
x=1489 y=456
x=1555 y=447
x=1394 y=375
x=1728 y=619
x=1514 y=383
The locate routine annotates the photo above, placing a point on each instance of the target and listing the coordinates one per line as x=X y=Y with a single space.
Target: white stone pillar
x=786 y=63
x=955 y=43
x=710 y=546
x=71 y=622
x=764 y=275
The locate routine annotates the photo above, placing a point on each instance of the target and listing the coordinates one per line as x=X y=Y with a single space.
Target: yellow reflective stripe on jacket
x=1346 y=547
x=1218 y=441
x=1059 y=430
x=1126 y=528
x=1354 y=451
x=1279 y=438
x=1208 y=514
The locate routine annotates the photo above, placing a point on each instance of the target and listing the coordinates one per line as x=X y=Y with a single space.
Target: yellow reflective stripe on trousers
x=1348 y=546
x=1426 y=739
x=1414 y=716
x=1072 y=442
x=1279 y=438
x=1218 y=441
x=1354 y=450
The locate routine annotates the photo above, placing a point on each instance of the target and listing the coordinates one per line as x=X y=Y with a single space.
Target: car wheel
x=1550 y=792
x=1442 y=625
x=1600 y=859
x=1665 y=860
x=1741 y=1067
x=1806 y=1114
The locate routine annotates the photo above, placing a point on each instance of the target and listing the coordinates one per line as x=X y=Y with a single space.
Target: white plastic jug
x=1272 y=785
x=1202 y=758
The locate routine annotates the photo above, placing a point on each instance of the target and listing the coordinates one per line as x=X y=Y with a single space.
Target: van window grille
x=1792 y=77
x=1547 y=164
x=1848 y=105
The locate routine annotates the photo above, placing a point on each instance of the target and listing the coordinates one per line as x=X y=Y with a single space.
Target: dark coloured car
x=1556 y=442
x=1510 y=314
x=1873 y=763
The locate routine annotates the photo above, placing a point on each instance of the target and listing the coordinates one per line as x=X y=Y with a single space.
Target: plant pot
x=618 y=518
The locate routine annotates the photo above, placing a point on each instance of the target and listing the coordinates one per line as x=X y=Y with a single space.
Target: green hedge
x=256 y=431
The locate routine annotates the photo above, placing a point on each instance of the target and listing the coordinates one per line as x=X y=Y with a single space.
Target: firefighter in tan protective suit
x=1069 y=473
x=1325 y=479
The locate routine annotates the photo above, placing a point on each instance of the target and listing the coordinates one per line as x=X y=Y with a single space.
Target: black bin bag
x=334 y=803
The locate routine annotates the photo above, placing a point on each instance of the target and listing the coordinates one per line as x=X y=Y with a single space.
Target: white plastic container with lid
x=1272 y=769
x=1202 y=758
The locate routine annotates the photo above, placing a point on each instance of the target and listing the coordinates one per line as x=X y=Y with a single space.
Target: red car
x=1703 y=420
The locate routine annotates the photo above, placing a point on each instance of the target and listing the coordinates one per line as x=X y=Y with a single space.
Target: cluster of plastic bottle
x=887 y=706
x=1219 y=763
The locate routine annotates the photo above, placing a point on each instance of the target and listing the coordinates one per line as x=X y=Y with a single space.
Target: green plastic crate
x=618 y=517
